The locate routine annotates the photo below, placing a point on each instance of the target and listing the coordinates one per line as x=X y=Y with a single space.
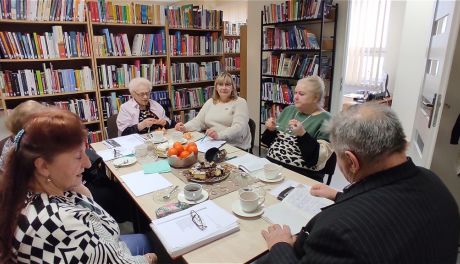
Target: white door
x=437 y=71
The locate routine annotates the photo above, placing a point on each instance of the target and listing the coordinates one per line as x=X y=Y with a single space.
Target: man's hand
x=322 y=190
x=270 y=124
x=212 y=134
x=276 y=234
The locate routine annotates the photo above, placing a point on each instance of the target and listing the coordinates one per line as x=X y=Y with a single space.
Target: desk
x=239 y=247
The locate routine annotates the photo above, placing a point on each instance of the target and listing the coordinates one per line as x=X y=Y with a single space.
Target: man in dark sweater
x=392 y=212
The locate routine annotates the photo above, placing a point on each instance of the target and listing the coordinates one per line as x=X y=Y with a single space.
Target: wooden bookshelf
x=281 y=66
x=231 y=55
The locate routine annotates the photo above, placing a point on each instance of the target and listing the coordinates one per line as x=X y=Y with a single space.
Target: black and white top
x=68 y=229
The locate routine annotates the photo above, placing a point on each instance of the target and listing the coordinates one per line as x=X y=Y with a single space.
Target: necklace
x=306 y=118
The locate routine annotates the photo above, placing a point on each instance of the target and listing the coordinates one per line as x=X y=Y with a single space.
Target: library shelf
x=10 y=98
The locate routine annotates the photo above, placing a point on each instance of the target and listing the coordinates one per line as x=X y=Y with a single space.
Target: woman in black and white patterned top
x=48 y=216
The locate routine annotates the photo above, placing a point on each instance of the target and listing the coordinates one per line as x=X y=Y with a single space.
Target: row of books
x=268 y=110
x=43 y=10
x=126 y=13
x=277 y=92
x=232 y=63
x=297 y=66
x=190 y=16
x=86 y=108
x=110 y=44
x=231 y=28
x=232 y=45
x=113 y=77
x=237 y=80
x=94 y=136
x=191 y=97
x=49 y=81
x=293 y=10
x=186 y=44
x=290 y=38
x=193 y=72
x=50 y=45
x=185 y=116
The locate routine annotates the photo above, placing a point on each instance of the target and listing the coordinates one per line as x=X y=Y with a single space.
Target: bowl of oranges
x=182 y=156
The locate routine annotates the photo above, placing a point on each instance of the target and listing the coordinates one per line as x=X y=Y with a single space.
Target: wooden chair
x=112 y=128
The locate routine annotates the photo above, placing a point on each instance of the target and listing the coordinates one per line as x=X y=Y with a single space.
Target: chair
x=329 y=168
x=112 y=128
x=252 y=128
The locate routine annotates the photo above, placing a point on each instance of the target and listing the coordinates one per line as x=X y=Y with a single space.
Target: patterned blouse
x=68 y=229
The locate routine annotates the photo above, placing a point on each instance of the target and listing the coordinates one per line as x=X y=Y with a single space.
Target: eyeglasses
x=144 y=94
x=197 y=220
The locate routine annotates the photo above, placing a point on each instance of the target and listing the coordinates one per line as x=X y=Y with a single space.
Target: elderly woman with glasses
x=141 y=114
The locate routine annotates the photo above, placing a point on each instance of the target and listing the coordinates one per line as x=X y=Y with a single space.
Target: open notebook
x=249 y=163
x=296 y=209
x=180 y=234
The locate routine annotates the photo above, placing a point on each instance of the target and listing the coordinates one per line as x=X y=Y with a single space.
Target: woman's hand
x=161 y=122
x=322 y=190
x=296 y=127
x=148 y=122
x=270 y=124
x=180 y=127
x=276 y=233
x=212 y=133
x=151 y=258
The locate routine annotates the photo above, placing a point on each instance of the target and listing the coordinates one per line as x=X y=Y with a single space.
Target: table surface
x=238 y=247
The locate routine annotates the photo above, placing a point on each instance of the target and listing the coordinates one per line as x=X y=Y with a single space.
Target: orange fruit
x=192 y=144
x=184 y=154
x=172 y=151
x=178 y=146
x=193 y=149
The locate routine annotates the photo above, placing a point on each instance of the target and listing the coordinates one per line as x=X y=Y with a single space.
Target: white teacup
x=141 y=151
x=272 y=171
x=176 y=136
x=157 y=135
x=193 y=191
x=250 y=200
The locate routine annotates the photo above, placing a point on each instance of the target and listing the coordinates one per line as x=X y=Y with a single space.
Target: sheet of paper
x=301 y=198
x=161 y=166
x=207 y=143
x=130 y=141
x=140 y=183
x=114 y=153
x=249 y=162
x=283 y=186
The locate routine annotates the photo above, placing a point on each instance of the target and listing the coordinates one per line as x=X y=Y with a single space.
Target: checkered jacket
x=68 y=229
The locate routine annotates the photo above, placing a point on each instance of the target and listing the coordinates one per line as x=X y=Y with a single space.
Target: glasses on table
x=196 y=219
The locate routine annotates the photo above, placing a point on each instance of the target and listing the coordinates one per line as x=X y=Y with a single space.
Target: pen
x=231 y=158
x=205 y=136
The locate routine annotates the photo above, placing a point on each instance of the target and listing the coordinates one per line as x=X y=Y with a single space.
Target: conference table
x=239 y=247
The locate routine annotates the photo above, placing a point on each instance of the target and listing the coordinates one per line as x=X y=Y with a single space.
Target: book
x=180 y=234
x=296 y=209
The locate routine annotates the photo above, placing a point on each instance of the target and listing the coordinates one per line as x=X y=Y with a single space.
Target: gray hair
x=369 y=130
x=315 y=85
x=139 y=81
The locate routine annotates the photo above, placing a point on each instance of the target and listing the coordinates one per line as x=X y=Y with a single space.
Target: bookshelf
x=297 y=40
x=123 y=40
x=235 y=58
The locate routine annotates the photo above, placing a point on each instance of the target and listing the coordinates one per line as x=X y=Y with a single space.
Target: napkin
x=161 y=166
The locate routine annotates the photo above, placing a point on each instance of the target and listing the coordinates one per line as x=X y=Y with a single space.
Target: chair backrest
x=329 y=168
x=252 y=129
x=112 y=128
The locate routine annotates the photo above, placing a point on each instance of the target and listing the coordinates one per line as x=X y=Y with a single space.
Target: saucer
x=164 y=139
x=204 y=197
x=261 y=176
x=124 y=161
x=236 y=208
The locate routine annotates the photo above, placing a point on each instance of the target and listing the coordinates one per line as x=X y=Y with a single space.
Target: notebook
x=180 y=234
x=249 y=163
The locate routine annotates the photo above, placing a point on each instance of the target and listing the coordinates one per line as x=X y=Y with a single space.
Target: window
x=366 y=43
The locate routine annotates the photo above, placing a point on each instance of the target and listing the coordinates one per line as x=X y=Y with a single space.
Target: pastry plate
x=204 y=197
x=236 y=208
x=124 y=161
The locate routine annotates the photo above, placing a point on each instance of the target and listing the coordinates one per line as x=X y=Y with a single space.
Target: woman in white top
x=224 y=116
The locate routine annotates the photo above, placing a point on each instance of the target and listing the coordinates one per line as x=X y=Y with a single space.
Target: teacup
x=271 y=171
x=176 y=136
x=140 y=151
x=157 y=135
x=250 y=200
x=193 y=191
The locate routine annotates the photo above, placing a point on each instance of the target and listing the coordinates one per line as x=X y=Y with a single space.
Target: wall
x=396 y=19
x=415 y=36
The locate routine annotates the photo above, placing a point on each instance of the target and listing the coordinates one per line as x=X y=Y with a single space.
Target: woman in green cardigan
x=297 y=140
